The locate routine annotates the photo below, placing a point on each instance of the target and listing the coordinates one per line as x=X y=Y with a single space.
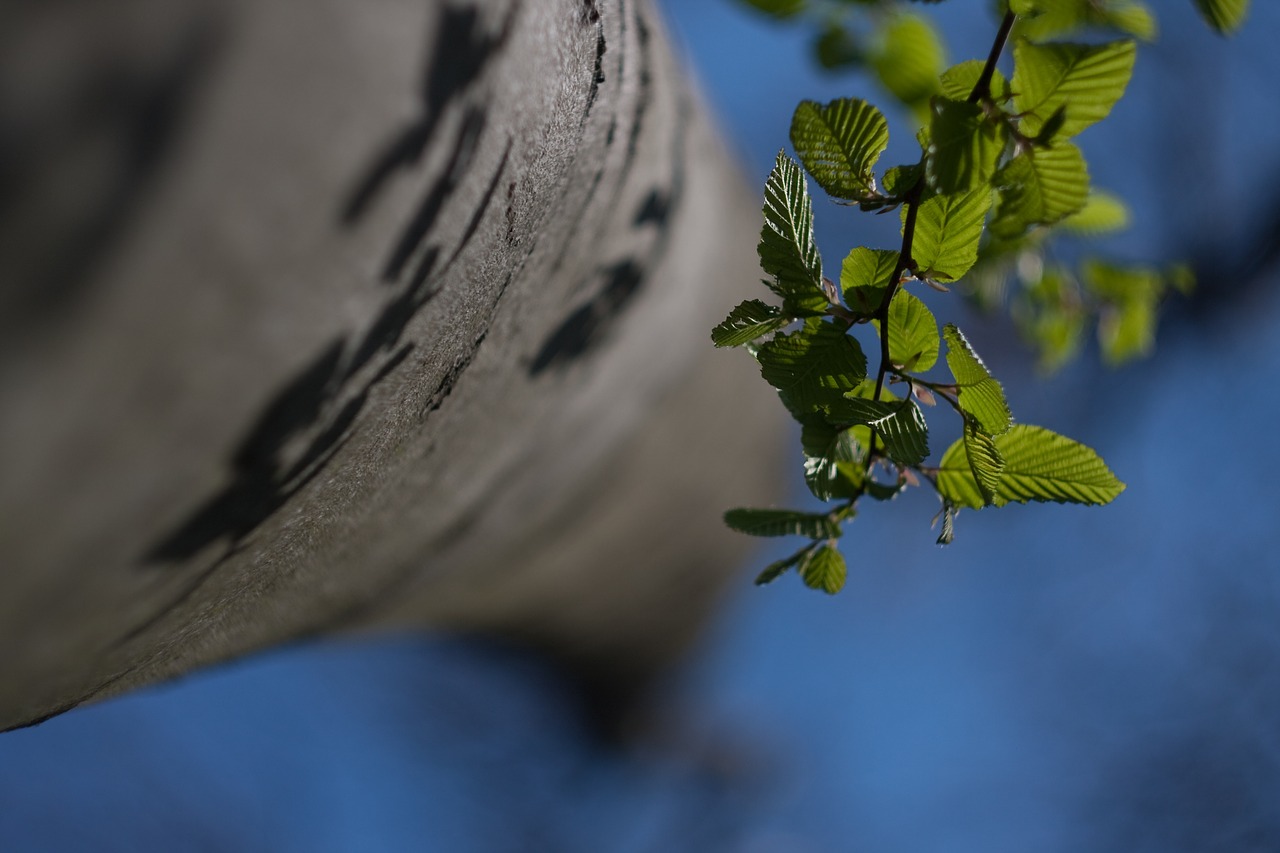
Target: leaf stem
x=911 y=203
x=982 y=89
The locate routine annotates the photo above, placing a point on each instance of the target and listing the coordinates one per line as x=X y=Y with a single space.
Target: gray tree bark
x=319 y=316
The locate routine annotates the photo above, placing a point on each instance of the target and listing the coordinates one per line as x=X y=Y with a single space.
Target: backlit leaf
x=781 y=522
x=985 y=461
x=787 y=250
x=948 y=229
x=981 y=396
x=964 y=146
x=1044 y=19
x=1225 y=16
x=832 y=466
x=864 y=277
x=959 y=81
x=1040 y=187
x=909 y=58
x=1039 y=465
x=1084 y=79
x=750 y=320
x=813 y=366
x=913 y=333
x=839 y=144
x=899 y=424
x=824 y=569
x=1102 y=213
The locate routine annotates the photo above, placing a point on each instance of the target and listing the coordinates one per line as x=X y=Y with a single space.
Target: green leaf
x=985 y=462
x=832 y=468
x=1050 y=315
x=1039 y=465
x=813 y=366
x=959 y=81
x=899 y=179
x=909 y=58
x=948 y=229
x=839 y=144
x=1102 y=213
x=913 y=333
x=824 y=569
x=1127 y=323
x=787 y=250
x=956 y=483
x=1040 y=187
x=1084 y=79
x=1044 y=19
x=1225 y=16
x=750 y=320
x=778 y=8
x=865 y=276
x=782 y=522
x=981 y=396
x=836 y=47
x=964 y=146
x=900 y=425
x=775 y=570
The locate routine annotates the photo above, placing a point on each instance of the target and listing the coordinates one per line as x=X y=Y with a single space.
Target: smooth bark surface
x=320 y=316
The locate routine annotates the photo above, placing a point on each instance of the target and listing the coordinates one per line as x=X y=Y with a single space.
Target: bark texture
x=318 y=316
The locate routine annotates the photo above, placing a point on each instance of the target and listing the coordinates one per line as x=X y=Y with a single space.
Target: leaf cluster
x=1055 y=303
x=998 y=169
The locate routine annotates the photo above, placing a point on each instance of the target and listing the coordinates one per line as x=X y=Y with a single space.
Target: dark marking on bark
x=121 y=116
x=459 y=56
x=588 y=324
x=590 y=12
x=414 y=233
x=584 y=327
x=645 y=94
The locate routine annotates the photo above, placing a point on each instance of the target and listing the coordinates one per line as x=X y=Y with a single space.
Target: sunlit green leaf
x=1225 y=16
x=864 y=277
x=909 y=58
x=899 y=179
x=1039 y=465
x=1050 y=314
x=1040 y=187
x=1102 y=213
x=899 y=424
x=964 y=146
x=913 y=333
x=839 y=144
x=985 y=461
x=948 y=229
x=782 y=522
x=750 y=320
x=787 y=250
x=824 y=569
x=981 y=396
x=1084 y=79
x=813 y=366
x=832 y=466
x=1043 y=19
x=959 y=81
x=1127 y=322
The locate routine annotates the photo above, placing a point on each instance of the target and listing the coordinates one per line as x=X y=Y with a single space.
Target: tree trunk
x=319 y=316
